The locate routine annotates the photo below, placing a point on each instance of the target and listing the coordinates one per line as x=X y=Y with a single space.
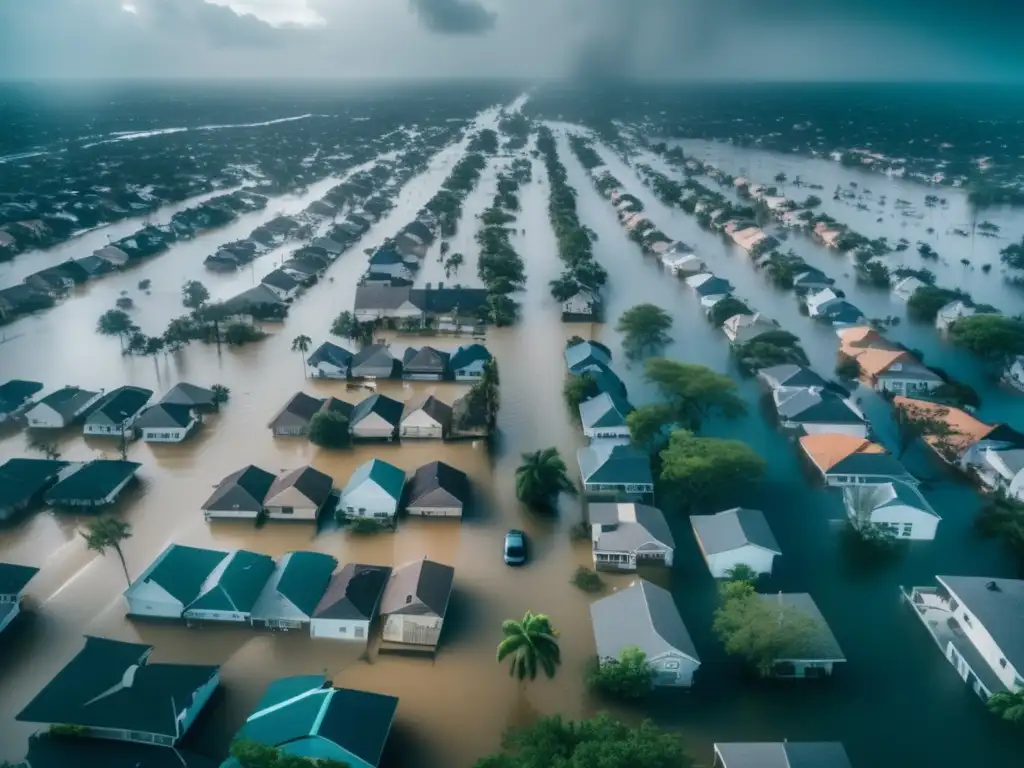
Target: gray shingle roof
x=165 y=415
x=436 y=409
x=426 y=359
x=244 y=489
x=311 y=483
x=374 y=355
x=624 y=527
x=353 y=592
x=612 y=464
x=642 y=615
x=1000 y=610
x=184 y=393
x=868 y=498
x=822 y=646
x=331 y=353
x=604 y=410
x=783 y=754
x=790 y=376
x=386 y=407
x=119 y=404
x=422 y=587
x=438 y=484
x=732 y=529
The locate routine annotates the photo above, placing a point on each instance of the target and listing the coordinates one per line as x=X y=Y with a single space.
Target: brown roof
x=311 y=483
x=419 y=588
x=827 y=450
x=353 y=593
x=302 y=406
x=877 y=361
x=965 y=430
x=436 y=409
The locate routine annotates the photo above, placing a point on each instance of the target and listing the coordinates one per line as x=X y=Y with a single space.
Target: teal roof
x=387 y=476
x=237 y=585
x=181 y=571
x=305 y=579
x=611 y=464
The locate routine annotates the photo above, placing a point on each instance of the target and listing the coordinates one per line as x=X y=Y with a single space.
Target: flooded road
x=893 y=669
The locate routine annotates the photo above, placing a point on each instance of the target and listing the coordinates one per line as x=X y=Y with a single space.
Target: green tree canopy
x=703 y=467
x=630 y=676
x=992 y=336
x=116 y=322
x=772 y=348
x=1013 y=255
x=643 y=328
x=1009 y=706
x=105 y=533
x=251 y=754
x=927 y=300
x=725 y=309
x=600 y=742
x=541 y=477
x=647 y=425
x=761 y=631
x=194 y=294
x=577 y=389
x=346 y=326
x=694 y=391
x=329 y=430
x=532 y=643
x=221 y=395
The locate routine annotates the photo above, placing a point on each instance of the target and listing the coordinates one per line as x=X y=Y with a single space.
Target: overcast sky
x=403 y=39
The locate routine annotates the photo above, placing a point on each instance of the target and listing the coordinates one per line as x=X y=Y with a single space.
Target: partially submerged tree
x=914 y=422
x=1008 y=705
x=221 y=394
x=703 y=467
x=644 y=328
x=695 y=392
x=577 y=389
x=541 y=477
x=532 y=643
x=116 y=322
x=329 y=430
x=726 y=308
x=991 y=336
x=648 y=425
x=301 y=344
x=252 y=754
x=105 y=533
x=631 y=676
x=346 y=326
x=194 y=294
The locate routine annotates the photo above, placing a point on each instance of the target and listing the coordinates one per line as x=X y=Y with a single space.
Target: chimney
x=428 y=286
x=440 y=286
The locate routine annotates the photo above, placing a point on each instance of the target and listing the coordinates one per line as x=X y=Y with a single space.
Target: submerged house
x=111 y=690
x=24 y=483
x=781 y=754
x=294 y=418
x=582 y=306
x=293 y=591
x=13 y=580
x=230 y=591
x=736 y=537
x=299 y=494
x=437 y=490
x=886 y=367
x=183 y=393
x=350 y=603
x=951 y=312
x=978 y=624
x=307 y=717
x=373 y=491
x=414 y=605
x=849 y=460
x=896 y=507
x=709 y=288
x=117 y=411
x=378 y=417
x=172 y=582
x=426 y=417
x=817 y=410
x=965 y=440
x=789 y=375
x=467 y=363
x=240 y=494
x=626 y=536
x=96 y=483
x=61 y=408
x=166 y=423
x=374 y=362
x=818 y=654
x=15 y=396
x=609 y=468
x=740 y=329
x=645 y=616
x=330 y=361
x=587 y=357
x=604 y=416
x=425 y=364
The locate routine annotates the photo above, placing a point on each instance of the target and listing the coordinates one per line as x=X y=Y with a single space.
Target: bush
x=580 y=531
x=588 y=580
x=630 y=676
x=238 y=334
x=366 y=525
x=847 y=367
x=329 y=430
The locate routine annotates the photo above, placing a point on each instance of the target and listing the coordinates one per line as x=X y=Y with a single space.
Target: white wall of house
x=412 y=630
x=235 y=617
x=421 y=424
x=435 y=511
x=283 y=293
x=42 y=416
x=288 y=428
x=758 y=558
x=290 y=504
x=577 y=305
x=168 y=434
x=407 y=309
x=372 y=372
x=838 y=481
x=373 y=427
x=230 y=514
x=857 y=430
x=673 y=670
x=986 y=645
x=326 y=370
x=471 y=372
x=906 y=522
x=340 y=629
x=146 y=598
x=368 y=500
x=275 y=611
x=901 y=385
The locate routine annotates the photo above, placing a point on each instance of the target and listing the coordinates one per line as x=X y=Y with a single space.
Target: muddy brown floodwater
x=452 y=708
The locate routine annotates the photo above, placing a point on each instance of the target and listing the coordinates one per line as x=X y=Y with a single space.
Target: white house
x=299 y=494
x=624 y=536
x=817 y=410
x=350 y=603
x=166 y=423
x=740 y=329
x=426 y=417
x=467 y=362
x=583 y=306
x=230 y=591
x=896 y=507
x=1003 y=470
x=978 y=623
x=13 y=580
x=1014 y=375
x=171 y=582
x=735 y=537
x=907 y=287
x=683 y=264
x=373 y=491
x=952 y=312
x=378 y=417
x=604 y=416
x=330 y=361
x=61 y=408
x=117 y=411
x=645 y=616
x=294 y=589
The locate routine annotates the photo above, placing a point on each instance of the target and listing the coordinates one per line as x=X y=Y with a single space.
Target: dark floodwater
x=892 y=704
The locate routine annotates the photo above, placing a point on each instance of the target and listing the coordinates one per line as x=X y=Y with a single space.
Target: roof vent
x=991 y=586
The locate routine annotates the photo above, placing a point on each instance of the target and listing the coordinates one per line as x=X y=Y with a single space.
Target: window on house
x=671 y=665
x=342 y=630
x=359 y=632
x=907 y=528
x=953 y=604
x=287 y=510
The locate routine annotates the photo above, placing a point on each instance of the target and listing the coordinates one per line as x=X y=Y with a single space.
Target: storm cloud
x=454 y=17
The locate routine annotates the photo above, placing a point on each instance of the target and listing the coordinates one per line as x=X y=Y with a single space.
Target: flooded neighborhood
x=880 y=670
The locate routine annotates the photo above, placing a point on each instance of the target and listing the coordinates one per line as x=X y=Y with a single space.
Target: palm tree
x=301 y=344
x=540 y=477
x=105 y=533
x=1009 y=706
x=531 y=642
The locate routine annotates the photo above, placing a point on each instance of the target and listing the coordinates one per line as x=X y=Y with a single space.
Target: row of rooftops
x=410 y=361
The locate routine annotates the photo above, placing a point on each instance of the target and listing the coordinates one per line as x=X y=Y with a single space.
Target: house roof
x=469 y=354
x=442 y=300
x=822 y=645
x=790 y=376
x=184 y=393
x=863 y=336
x=869 y=498
x=280 y=279
x=235 y=583
x=425 y=359
x=814 y=405
x=783 y=754
x=68 y=400
x=373 y=355
x=642 y=615
x=181 y=571
x=421 y=587
x=607 y=380
x=386 y=407
x=329 y=352
x=707 y=284
x=842 y=311
x=733 y=529
x=14 y=578
x=300 y=408
x=310 y=482
x=827 y=450
x=119 y=404
x=244 y=489
x=381 y=296
x=389 y=477
x=999 y=605
x=604 y=410
x=306 y=717
x=438 y=485
x=625 y=527
x=256 y=296
x=336 y=405
x=92 y=481
x=165 y=415
x=386 y=256
x=15 y=392
x=353 y=593
x=22 y=479
x=606 y=463
x=110 y=684
x=877 y=361
x=301 y=578
x=965 y=430
x=578 y=356
x=53 y=751
x=436 y=409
